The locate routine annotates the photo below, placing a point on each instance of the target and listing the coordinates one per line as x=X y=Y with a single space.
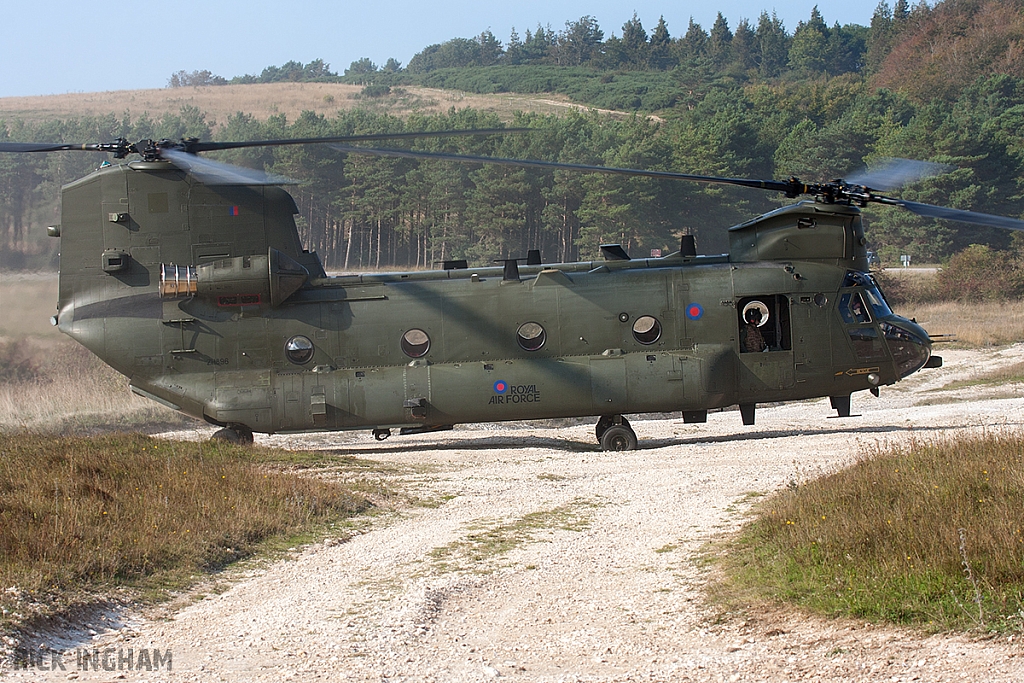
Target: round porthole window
x=646 y=329
x=531 y=336
x=415 y=343
x=299 y=349
x=762 y=312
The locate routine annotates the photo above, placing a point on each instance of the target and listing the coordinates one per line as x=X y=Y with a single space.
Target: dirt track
x=540 y=558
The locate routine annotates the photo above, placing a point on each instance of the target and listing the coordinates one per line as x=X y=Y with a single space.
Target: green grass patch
x=81 y=516
x=489 y=541
x=1008 y=375
x=929 y=534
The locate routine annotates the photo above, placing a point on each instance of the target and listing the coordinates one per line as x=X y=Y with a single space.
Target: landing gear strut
x=239 y=434
x=615 y=434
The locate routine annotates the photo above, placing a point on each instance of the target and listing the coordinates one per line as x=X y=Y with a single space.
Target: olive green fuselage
x=435 y=348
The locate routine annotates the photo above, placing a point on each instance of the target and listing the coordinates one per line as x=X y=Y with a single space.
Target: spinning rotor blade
x=932 y=211
x=893 y=174
x=153 y=150
x=216 y=173
x=897 y=172
x=787 y=187
x=62 y=147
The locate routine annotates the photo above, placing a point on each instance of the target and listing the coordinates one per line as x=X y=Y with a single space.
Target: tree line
x=360 y=211
x=753 y=49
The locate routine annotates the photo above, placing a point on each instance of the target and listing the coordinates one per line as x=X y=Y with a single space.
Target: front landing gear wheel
x=619 y=438
x=239 y=434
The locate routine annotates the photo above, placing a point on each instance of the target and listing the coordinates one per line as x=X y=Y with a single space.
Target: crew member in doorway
x=752 y=339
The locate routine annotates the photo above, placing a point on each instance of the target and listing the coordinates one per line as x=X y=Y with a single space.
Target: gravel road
x=536 y=557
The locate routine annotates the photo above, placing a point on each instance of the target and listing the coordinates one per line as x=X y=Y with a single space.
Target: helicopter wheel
x=239 y=434
x=620 y=437
x=607 y=421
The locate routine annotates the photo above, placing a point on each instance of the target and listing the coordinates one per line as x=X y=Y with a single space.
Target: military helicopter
x=188 y=277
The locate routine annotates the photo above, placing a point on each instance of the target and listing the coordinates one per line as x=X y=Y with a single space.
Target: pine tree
x=808 y=49
x=634 y=42
x=720 y=42
x=661 y=46
x=772 y=49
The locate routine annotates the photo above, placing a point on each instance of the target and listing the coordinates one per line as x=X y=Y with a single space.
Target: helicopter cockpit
x=873 y=327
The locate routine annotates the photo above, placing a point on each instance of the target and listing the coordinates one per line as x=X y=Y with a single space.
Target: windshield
x=877 y=301
x=872 y=294
x=851 y=307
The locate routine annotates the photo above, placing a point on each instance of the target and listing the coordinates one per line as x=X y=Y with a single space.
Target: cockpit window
x=877 y=301
x=851 y=307
x=871 y=293
x=867 y=344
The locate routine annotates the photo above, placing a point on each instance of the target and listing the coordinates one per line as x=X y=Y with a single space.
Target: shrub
x=376 y=90
x=980 y=273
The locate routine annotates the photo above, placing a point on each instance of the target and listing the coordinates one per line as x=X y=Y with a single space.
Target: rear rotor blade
x=216 y=173
x=932 y=211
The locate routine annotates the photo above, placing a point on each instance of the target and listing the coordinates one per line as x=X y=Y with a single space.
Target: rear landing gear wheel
x=620 y=437
x=239 y=434
x=607 y=421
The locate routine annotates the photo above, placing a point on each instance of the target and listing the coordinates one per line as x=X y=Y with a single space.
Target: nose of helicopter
x=909 y=343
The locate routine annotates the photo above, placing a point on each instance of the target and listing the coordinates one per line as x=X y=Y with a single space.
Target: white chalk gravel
x=540 y=558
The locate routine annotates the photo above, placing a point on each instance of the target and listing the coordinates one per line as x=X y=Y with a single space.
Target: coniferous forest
x=746 y=99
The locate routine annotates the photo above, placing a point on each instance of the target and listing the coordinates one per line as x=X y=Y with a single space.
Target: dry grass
x=63 y=388
x=930 y=533
x=47 y=381
x=263 y=100
x=27 y=300
x=990 y=323
x=80 y=515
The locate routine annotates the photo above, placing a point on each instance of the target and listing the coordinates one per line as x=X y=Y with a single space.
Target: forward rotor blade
x=212 y=146
x=46 y=147
x=216 y=173
x=932 y=211
x=892 y=174
x=558 y=165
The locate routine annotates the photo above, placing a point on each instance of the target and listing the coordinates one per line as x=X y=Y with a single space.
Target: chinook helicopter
x=188 y=277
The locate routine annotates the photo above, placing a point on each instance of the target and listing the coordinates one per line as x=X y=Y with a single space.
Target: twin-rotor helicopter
x=188 y=277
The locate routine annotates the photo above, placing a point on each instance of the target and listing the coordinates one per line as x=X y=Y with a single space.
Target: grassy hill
x=263 y=100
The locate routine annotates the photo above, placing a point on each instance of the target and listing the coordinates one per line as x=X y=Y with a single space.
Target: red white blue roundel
x=694 y=311
x=500 y=387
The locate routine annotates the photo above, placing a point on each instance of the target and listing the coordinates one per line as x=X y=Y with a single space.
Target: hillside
x=941 y=52
x=263 y=100
x=940 y=83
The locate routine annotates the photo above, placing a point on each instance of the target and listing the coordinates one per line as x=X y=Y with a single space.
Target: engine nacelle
x=241 y=281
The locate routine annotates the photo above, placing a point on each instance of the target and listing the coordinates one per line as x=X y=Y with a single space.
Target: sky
x=60 y=46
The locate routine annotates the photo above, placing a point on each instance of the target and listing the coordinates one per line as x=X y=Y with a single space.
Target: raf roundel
x=694 y=311
x=501 y=386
